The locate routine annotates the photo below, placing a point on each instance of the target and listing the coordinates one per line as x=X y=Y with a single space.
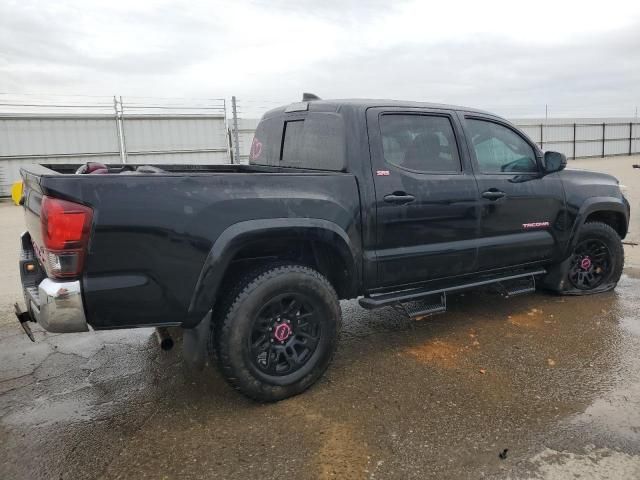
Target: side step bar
x=519 y=286
x=404 y=296
x=424 y=308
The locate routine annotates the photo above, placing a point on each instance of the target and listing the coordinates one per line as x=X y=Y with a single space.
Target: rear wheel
x=596 y=262
x=277 y=331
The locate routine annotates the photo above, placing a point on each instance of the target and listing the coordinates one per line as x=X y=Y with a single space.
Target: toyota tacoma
x=395 y=203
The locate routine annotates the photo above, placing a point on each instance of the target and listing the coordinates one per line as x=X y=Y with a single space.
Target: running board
x=394 y=298
x=520 y=286
x=424 y=308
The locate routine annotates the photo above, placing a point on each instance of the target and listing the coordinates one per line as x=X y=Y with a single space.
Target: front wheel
x=277 y=331
x=596 y=262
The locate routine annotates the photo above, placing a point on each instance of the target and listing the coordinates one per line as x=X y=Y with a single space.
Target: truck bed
x=70 y=168
x=153 y=233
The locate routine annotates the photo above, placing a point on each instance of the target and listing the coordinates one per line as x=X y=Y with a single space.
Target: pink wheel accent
x=282 y=332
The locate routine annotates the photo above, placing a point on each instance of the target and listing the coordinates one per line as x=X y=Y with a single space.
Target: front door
x=522 y=213
x=427 y=206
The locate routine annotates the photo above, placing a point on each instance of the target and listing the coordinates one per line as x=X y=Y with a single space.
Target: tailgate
x=32 y=204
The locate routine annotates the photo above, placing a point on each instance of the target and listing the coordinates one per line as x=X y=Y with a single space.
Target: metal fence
x=583 y=139
x=110 y=130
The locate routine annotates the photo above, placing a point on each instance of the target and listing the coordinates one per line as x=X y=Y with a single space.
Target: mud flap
x=194 y=343
x=556 y=277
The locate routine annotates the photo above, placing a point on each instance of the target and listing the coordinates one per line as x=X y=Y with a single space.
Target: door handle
x=399 y=198
x=493 y=194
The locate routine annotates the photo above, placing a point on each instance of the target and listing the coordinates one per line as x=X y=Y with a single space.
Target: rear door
x=522 y=209
x=426 y=196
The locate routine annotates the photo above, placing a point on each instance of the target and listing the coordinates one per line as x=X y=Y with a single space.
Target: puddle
x=593 y=464
x=44 y=412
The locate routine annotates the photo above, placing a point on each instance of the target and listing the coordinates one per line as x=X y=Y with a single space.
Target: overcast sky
x=513 y=57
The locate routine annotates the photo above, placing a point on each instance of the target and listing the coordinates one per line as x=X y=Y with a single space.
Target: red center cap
x=585 y=263
x=282 y=332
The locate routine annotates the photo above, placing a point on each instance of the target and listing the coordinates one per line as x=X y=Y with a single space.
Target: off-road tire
x=235 y=316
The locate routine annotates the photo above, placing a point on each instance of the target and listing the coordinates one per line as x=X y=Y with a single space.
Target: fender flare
x=240 y=234
x=592 y=205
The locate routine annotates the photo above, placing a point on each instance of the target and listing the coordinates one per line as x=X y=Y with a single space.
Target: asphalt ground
x=553 y=380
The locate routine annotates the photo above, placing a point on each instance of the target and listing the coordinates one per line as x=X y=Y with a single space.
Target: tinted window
x=316 y=142
x=419 y=142
x=265 y=148
x=500 y=149
x=293 y=146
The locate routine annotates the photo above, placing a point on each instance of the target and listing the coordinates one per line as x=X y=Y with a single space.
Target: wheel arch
x=318 y=243
x=609 y=210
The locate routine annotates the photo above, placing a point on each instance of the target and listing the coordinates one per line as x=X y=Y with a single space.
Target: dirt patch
x=438 y=352
x=341 y=453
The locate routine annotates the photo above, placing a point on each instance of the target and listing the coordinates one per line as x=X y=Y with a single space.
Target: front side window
x=422 y=143
x=499 y=149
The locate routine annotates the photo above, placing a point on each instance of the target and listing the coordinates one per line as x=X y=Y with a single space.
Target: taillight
x=65 y=234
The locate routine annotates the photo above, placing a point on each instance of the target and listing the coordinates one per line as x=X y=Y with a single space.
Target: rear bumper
x=56 y=305
x=59 y=308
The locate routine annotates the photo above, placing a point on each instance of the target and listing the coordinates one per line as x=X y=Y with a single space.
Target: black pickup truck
x=397 y=203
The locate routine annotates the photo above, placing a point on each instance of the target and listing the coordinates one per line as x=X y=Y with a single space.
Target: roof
x=364 y=103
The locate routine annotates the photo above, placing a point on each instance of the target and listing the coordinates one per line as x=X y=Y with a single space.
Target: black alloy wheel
x=285 y=334
x=590 y=264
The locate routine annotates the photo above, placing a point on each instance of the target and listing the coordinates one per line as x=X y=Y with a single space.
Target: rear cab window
x=314 y=140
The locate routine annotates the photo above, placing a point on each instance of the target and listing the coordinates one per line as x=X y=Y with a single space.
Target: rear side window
x=422 y=143
x=316 y=141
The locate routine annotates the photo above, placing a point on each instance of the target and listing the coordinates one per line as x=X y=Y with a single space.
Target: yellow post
x=16 y=192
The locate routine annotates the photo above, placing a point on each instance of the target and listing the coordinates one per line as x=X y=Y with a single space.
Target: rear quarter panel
x=152 y=233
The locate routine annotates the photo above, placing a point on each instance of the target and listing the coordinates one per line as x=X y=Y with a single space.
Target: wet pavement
x=554 y=380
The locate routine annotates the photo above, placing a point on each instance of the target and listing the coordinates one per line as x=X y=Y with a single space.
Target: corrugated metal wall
x=246 y=129
x=54 y=139
x=31 y=135
x=70 y=138
x=176 y=139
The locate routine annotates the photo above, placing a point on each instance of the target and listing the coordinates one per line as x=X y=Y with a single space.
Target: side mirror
x=554 y=161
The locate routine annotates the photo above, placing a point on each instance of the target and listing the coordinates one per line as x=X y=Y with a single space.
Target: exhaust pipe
x=164 y=339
